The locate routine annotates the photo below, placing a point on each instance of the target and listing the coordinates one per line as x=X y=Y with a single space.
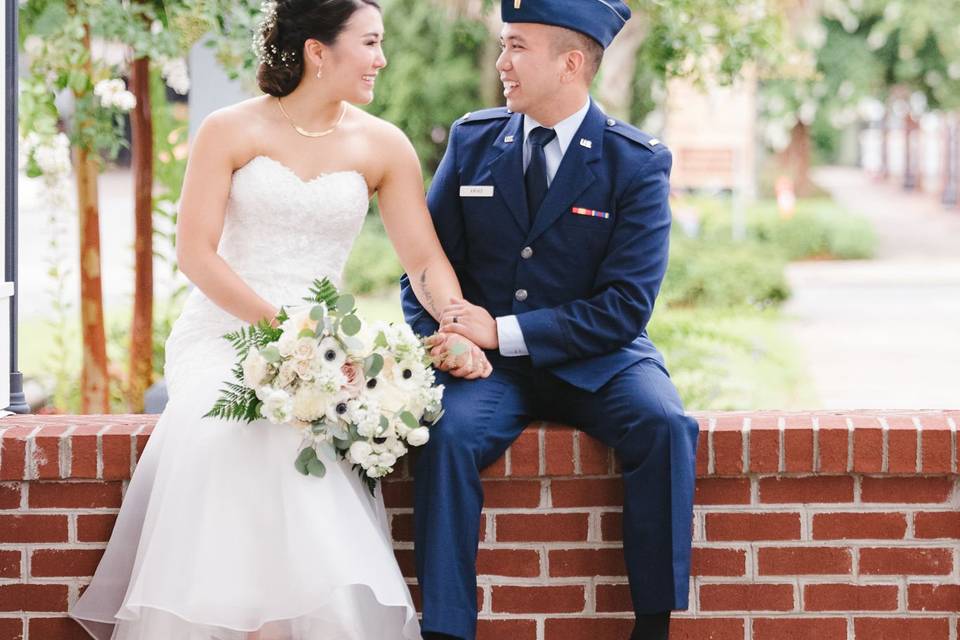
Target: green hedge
x=820 y=228
x=723 y=274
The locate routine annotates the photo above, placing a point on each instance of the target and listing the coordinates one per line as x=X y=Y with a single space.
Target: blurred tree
x=77 y=53
x=442 y=54
x=849 y=54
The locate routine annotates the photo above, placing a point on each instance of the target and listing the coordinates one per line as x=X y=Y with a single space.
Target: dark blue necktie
x=536 y=177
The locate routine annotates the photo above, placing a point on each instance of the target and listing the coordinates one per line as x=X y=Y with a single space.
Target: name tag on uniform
x=476 y=191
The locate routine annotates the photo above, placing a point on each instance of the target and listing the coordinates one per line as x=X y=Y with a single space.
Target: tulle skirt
x=219 y=536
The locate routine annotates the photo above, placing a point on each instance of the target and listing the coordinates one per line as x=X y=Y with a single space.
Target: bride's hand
x=470 y=365
x=470 y=321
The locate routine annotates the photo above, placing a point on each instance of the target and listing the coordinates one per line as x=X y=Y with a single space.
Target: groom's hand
x=470 y=321
x=470 y=364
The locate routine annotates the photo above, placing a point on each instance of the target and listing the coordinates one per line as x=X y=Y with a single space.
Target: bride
x=219 y=536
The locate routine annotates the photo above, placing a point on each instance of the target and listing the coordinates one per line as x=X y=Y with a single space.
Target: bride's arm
x=203 y=203
x=403 y=209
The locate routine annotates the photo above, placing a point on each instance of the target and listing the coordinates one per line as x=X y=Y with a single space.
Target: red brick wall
x=809 y=525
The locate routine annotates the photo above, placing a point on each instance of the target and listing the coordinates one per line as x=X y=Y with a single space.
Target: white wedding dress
x=219 y=535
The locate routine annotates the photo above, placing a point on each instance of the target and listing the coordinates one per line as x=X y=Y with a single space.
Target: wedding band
x=455 y=319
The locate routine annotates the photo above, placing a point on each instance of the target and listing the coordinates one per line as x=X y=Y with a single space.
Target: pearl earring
x=319 y=73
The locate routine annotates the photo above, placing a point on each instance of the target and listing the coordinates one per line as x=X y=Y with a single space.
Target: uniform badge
x=586 y=143
x=476 y=191
x=516 y=4
x=592 y=213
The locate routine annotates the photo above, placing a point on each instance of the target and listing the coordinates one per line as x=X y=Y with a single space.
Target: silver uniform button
x=611 y=122
x=520 y=295
x=526 y=253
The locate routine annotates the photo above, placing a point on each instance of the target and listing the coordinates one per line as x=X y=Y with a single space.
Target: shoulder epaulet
x=496 y=113
x=630 y=132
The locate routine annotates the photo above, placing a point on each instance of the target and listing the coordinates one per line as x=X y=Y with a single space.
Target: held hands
x=458 y=356
x=470 y=321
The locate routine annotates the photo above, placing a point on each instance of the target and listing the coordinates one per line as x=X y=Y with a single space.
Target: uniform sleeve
x=628 y=278
x=443 y=200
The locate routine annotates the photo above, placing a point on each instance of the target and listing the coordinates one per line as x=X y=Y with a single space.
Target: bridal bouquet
x=364 y=392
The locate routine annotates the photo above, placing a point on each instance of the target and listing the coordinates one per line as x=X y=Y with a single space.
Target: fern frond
x=323 y=291
x=236 y=402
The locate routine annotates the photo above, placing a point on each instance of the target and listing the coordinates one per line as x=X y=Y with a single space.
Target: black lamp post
x=18 y=402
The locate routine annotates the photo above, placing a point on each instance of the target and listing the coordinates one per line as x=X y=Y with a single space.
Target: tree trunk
x=795 y=160
x=909 y=156
x=94 y=380
x=94 y=377
x=141 y=330
x=615 y=87
x=951 y=157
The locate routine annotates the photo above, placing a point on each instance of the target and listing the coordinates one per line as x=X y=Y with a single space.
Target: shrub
x=723 y=274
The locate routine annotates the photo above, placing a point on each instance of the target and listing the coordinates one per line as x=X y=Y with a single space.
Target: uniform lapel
x=574 y=174
x=507 y=170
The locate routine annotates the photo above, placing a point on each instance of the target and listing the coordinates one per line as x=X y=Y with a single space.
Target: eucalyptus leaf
x=372 y=365
x=351 y=325
x=317 y=313
x=409 y=420
x=306 y=455
x=271 y=354
x=306 y=333
x=458 y=349
x=346 y=303
x=316 y=468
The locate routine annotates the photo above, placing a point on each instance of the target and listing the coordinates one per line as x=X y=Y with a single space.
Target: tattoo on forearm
x=428 y=297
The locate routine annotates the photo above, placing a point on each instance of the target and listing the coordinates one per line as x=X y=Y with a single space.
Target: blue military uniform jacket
x=582 y=279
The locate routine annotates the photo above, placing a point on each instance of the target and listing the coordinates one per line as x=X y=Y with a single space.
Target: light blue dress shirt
x=508 y=328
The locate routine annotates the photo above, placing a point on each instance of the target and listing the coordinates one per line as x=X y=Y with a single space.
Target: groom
x=556 y=220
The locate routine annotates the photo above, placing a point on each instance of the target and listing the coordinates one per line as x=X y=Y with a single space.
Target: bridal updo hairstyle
x=286 y=26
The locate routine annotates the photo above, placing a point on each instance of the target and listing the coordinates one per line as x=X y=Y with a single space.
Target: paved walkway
x=884 y=333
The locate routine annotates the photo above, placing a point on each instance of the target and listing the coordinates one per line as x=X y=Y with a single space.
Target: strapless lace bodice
x=280 y=233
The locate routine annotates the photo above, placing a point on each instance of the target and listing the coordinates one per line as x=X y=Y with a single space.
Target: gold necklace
x=312 y=134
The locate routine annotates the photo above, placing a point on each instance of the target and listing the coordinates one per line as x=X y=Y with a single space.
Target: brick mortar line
x=850 y=450
x=953 y=445
x=815 y=427
x=711 y=450
x=30 y=471
x=781 y=445
x=884 y=444
x=745 y=438
x=918 y=463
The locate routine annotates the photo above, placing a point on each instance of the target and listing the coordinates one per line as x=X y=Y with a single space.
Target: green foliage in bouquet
x=238 y=402
x=363 y=394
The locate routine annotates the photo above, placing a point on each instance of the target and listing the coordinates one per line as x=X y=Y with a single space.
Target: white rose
x=386 y=459
x=278 y=407
x=392 y=398
x=299 y=321
x=254 y=369
x=304 y=369
x=309 y=404
x=287 y=373
x=418 y=437
x=360 y=453
x=305 y=349
x=286 y=343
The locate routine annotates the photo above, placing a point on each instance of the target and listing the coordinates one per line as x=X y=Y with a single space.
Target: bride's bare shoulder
x=388 y=138
x=236 y=128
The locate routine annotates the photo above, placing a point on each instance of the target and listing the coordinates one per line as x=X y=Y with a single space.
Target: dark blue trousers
x=638 y=413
